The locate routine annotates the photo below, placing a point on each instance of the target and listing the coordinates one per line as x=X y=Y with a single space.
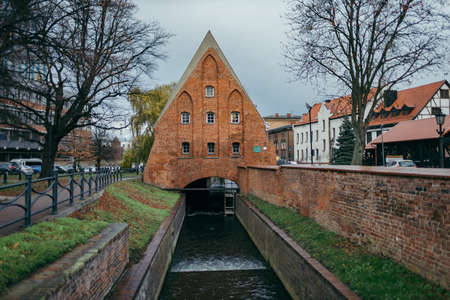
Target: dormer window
x=209 y=91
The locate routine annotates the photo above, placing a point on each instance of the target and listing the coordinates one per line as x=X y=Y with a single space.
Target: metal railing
x=59 y=191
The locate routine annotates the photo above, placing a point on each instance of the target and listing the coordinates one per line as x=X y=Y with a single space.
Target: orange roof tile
x=411 y=130
x=415 y=98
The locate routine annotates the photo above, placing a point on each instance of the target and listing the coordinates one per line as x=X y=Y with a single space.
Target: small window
x=298 y=155
x=185 y=147
x=211 y=148
x=306 y=154
x=323 y=125
x=236 y=148
x=209 y=91
x=306 y=135
x=185 y=118
x=302 y=155
x=235 y=117
x=444 y=94
x=317 y=135
x=324 y=143
x=369 y=137
x=210 y=117
x=302 y=137
x=298 y=139
x=334 y=133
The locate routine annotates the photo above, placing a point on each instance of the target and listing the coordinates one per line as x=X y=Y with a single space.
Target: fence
x=78 y=185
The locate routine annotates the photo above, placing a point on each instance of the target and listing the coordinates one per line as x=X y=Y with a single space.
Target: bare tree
x=367 y=45
x=102 y=146
x=89 y=54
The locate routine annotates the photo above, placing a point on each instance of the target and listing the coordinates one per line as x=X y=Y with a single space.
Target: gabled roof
x=415 y=99
x=411 y=130
x=207 y=43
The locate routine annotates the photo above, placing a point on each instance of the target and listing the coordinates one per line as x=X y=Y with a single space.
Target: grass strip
x=24 y=252
x=369 y=275
x=142 y=206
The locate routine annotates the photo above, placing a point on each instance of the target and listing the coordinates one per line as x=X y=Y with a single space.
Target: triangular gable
x=207 y=43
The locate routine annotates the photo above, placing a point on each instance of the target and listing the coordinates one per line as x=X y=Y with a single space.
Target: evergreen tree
x=342 y=155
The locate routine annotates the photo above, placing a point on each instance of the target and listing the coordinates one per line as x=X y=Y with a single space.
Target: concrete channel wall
x=303 y=276
x=144 y=280
x=88 y=272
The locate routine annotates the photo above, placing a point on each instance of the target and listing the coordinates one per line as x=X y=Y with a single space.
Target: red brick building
x=208 y=127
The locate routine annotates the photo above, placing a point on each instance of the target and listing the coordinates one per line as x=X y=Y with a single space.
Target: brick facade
x=401 y=214
x=167 y=165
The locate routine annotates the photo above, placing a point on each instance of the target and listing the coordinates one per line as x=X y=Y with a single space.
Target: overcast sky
x=250 y=34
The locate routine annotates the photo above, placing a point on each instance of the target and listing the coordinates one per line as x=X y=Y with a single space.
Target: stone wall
x=144 y=280
x=87 y=272
x=309 y=279
x=400 y=213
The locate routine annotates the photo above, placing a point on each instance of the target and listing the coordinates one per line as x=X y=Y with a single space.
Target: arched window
x=210 y=117
x=236 y=148
x=185 y=118
x=235 y=117
x=209 y=91
x=186 y=148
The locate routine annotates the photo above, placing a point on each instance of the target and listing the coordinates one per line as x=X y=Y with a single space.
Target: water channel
x=216 y=259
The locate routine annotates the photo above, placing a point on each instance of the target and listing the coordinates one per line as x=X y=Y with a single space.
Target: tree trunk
x=48 y=156
x=359 y=147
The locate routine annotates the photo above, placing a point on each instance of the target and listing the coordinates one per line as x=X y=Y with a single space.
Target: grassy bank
x=142 y=206
x=24 y=252
x=369 y=275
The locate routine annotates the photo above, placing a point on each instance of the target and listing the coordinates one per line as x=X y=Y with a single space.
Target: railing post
x=28 y=179
x=96 y=180
x=120 y=174
x=90 y=181
x=82 y=184
x=20 y=175
x=71 y=189
x=55 y=193
x=5 y=177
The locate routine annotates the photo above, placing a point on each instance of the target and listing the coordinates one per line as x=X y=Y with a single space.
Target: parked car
x=4 y=167
x=34 y=163
x=401 y=163
x=60 y=169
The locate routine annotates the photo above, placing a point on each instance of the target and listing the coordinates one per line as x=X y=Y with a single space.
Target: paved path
x=14 y=212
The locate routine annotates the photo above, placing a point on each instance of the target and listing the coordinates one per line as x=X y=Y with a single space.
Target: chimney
x=277 y=115
x=288 y=115
x=389 y=97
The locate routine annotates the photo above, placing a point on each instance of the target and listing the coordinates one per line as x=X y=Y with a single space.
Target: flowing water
x=215 y=259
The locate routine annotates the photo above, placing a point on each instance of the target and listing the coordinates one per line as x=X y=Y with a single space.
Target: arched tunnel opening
x=211 y=195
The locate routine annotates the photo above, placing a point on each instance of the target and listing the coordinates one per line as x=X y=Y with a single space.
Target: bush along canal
x=216 y=259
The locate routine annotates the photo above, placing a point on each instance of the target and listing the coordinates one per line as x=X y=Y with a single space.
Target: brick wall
x=167 y=165
x=87 y=272
x=403 y=214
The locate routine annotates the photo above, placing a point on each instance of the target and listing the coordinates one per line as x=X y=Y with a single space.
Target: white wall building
x=327 y=118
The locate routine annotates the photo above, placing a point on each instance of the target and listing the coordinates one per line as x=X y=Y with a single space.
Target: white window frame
x=235 y=117
x=238 y=148
x=183 y=144
x=185 y=120
x=211 y=120
x=209 y=91
x=213 y=145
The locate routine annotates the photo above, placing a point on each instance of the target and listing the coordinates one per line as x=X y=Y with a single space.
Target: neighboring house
x=416 y=140
x=283 y=138
x=277 y=120
x=327 y=118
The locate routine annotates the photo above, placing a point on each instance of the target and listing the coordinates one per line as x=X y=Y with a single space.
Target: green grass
x=368 y=275
x=24 y=252
x=142 y=206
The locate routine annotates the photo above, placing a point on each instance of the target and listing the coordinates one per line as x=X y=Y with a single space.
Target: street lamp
x=309 y=107
x=440 y=119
